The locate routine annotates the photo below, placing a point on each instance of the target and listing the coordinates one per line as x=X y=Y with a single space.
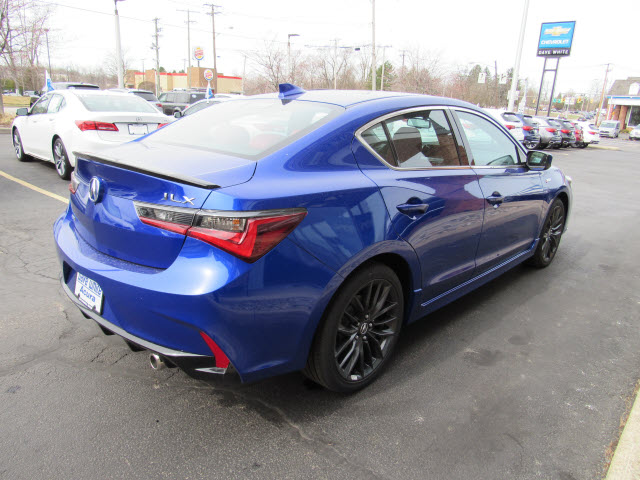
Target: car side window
x=56 y=104
x=423 y=139
x=171 y=98
x=182 y=98
x=41 y=105
x=162 y=97
x=489 y=145
x=377 y=139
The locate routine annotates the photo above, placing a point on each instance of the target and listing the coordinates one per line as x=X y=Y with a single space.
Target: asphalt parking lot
x=527 y=377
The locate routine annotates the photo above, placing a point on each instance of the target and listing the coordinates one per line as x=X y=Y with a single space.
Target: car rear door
x=432 y=195
x=513 y=194
x=48 y=124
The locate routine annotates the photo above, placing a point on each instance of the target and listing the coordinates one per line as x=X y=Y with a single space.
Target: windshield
x=608 y=124
x=115 y=103
x=250 y=129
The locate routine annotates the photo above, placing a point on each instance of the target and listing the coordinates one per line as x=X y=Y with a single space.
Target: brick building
x=624 y=102
x=170 y=81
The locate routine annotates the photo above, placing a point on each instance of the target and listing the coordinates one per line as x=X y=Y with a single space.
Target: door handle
x=495 y=199
x=412 y=209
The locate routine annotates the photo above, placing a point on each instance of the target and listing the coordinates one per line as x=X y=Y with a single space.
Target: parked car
x=196 y=107
x=635 y=133
x=514 y=126
x=590 y=134
x=302 y=230
x=76 y=85
x=177 y=101
x=567 y=135
x=610 y=128
x=550 y=136
x=532 y=139
x=148 y=95
x=64 y=121
x=577 y=131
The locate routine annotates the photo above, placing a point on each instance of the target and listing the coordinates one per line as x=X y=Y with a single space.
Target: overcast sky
x=459 y=31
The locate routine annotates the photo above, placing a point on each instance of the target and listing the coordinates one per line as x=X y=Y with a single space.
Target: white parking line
x=33 y=187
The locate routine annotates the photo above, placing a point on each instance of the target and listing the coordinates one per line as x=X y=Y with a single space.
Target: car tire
x=550 y=236
x=359 y=330
x=61 y=159
x=17 y=146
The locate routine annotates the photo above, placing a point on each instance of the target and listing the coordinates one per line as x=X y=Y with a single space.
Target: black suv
x=176 y=101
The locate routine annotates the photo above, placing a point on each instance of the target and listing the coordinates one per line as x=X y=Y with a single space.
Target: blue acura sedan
x=302 y=230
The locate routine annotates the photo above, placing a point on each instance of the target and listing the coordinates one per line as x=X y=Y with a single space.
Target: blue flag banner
x=48 y=86
x=209 y=92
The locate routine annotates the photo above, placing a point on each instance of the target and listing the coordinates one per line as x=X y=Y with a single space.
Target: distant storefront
x=624 y=102
x=170 y=81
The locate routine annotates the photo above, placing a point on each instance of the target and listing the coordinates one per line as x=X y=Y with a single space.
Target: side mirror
x=177 y=114
x=538 y=160
x=21 y=112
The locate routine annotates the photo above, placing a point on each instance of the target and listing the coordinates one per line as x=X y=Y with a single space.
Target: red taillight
x=85 y=125
x=551 y=130
x=510 y=127
x=564 y=130
x=159 y=105
x=593 y=133
x=527 y=128
x=160 y=125
x=247 y=235
x=248 y=238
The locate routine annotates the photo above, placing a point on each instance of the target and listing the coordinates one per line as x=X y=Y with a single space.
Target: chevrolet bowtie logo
x=557 y=31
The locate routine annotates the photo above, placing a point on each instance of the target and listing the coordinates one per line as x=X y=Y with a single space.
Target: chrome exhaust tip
x=156 y=362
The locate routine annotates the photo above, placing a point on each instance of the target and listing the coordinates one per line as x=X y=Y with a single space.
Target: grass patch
x=6 y=119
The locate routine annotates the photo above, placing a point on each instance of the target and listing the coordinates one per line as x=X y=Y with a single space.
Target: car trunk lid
x=136 y=174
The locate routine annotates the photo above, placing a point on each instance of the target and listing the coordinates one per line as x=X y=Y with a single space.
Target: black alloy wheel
x=17 y=146
x=61 y=160
x=359 y=332
x=550 y=237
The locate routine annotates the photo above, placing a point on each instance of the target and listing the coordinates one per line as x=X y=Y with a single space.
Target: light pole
x=373 y=44
x=289 y=54
x=118 y=48
x=516 y=69
x=46 y=34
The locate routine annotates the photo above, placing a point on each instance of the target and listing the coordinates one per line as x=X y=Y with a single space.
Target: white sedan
x=514 y=127
x=65 y=121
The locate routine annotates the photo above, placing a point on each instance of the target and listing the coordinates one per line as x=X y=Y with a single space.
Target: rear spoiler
x=193 y=181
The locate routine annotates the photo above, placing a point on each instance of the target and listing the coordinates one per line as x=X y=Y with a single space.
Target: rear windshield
x=115 y=103
x=249 y=129
x=147 y=96
x=511 y=117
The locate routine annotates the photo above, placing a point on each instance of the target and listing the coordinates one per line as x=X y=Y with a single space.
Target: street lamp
x=46 y=34
x=118 y=47
x=289 y=54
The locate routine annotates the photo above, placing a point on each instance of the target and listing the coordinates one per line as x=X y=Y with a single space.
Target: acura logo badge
x=95 y=189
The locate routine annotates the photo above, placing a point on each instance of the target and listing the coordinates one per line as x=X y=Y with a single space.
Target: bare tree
x=271 y=62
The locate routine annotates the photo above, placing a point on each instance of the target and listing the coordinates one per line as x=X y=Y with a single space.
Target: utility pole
x=495 y=64
x=118 y=47
x=384 y=51
x=189 y=22
x=156 y=46
x=604 y=87
x=244 y=70
x=289 y=55
x=373 y=45
x=335 y=59
x=215 y=57
x=46 y=34
x=516 y=69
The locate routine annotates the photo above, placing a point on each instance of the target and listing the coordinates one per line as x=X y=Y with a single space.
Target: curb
x=625 y=464
x=603 y=147
x=5 y=129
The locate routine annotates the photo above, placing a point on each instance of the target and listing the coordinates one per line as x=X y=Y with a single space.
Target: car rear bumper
x=192 y=363
x=262 y=316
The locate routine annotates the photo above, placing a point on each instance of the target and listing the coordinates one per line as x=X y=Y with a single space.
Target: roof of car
x=349 y=98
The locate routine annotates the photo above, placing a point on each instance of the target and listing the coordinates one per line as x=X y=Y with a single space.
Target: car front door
x=167 y=103
x=33 y=127
x=432 y=195
x=513 y=194
x=48 y=124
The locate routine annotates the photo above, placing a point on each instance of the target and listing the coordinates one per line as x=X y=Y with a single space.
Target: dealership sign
x=556 y=39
